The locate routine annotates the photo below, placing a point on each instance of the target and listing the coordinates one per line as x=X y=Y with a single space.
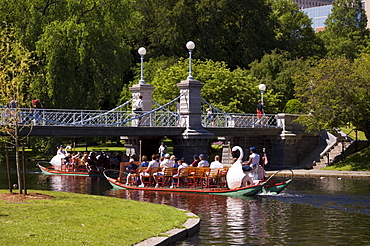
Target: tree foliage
x=229 y=90
x=15 y=73
x=84 y=56
x=293 y=30
x=345 y=30
x=276 y=71
x=233 y=31
x=336 y=92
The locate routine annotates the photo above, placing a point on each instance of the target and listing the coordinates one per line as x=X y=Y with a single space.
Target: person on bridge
x=138 y=105
x=211 y=116
x=260 y=111
x=35 y=107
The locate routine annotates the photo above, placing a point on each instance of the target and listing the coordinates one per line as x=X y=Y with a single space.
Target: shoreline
x=323 y=173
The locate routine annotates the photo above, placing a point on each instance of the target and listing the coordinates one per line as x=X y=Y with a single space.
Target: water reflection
x=312 y=211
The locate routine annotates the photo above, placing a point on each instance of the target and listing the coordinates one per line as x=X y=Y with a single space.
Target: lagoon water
x=311 y=211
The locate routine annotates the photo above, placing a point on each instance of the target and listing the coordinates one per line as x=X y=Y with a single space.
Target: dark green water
x=311 y=211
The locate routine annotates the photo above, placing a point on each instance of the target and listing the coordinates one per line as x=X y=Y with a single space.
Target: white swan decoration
x=235 y=174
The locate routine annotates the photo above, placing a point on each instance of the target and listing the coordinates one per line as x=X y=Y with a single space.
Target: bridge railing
x=157 y=118
x=239 y=120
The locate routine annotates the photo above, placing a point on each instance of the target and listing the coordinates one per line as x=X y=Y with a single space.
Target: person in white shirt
x=216 y=163
x=203 y=162
x=162 y=150
x=61 y=151
x=254 y=163
x=145 y=173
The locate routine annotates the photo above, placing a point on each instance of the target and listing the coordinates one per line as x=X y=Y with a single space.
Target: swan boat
x=50 y=170
x=245 y=191
x=233 y=180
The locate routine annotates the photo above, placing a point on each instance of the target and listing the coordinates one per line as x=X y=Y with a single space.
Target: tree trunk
x=17 y=164
x=24 y=170
x=8 y=169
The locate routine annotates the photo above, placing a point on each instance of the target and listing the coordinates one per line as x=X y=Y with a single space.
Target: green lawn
x=350 y=132
x=77 y=219
x=356 y=162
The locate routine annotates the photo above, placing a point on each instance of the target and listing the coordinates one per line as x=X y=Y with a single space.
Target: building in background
x=303 y=4
x=318 y=11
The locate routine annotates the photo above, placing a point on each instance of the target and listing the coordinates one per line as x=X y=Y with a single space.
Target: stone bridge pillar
x=195 y=139
x=146 y=91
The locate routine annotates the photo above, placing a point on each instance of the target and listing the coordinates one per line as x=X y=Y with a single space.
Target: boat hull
x=48 y=171
x=275 y=188
x=246 y=191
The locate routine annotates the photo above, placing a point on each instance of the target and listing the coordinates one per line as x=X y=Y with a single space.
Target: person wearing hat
x=254 y=163
x=203 y=162
x=61 y=151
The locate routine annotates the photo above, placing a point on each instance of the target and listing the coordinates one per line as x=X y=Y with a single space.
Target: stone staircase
x=333 y=153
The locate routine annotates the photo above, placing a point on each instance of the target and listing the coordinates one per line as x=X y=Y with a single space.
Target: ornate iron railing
x=159 y=117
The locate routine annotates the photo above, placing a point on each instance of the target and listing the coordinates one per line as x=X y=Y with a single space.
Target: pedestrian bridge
x=122 y=116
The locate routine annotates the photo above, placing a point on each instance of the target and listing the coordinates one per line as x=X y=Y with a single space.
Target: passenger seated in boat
x=248 y=177
x=195 y=161
x=166 y=163
x=84 y=162
x=173 y=159
x=203 y=162
x=92 y=162
x=113 y=161
x=216 y=163
x=74 y=160
x=144 y=162
x=130 y=169
x=146 y=173
x=181 y=165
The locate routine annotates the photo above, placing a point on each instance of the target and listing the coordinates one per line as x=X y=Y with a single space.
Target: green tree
x=15 y=74
x=345 y=30
x=276 y=71
x=336 y=92
x=233 y=31
x=82 y=47
x=230 y=90
x=293 y=30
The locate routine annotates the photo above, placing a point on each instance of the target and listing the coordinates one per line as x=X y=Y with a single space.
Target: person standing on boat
x=216 y=163
x=203 y=162
x=162 y=150
x=61 y=151
x=254 y=163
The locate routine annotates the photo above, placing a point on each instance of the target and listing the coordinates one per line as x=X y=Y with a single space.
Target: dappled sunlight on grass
x=357 y=162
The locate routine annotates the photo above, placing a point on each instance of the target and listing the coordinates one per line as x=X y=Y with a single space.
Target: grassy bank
x=77 y=219
x=356 y=162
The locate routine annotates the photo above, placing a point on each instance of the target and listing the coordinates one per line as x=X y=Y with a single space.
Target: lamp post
x=262 y=88
x=142 y=52
x=190 y=46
